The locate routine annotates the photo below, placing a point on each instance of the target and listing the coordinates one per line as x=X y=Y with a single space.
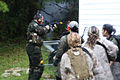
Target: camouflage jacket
x=112 y=38
x=62 y=48
x=35 y=32
x=66 y=64
x=101 y=57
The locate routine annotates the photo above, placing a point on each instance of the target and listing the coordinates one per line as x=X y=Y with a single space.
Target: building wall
x=99 y=12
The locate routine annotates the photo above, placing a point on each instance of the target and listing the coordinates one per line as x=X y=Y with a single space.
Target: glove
x=52 y=26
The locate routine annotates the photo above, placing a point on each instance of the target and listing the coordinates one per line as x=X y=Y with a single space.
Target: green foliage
x=14 y=55
x=73 y=11
x=3 y=7
x=15 y=22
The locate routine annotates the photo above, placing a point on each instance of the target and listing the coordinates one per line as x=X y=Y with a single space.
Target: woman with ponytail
x=109 y=32
x=101 y=48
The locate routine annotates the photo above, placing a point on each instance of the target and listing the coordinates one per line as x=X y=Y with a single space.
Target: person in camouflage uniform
x=63 y=47
x=115 y=66
x=68 y=65
x=35 y=33
x=95 y=46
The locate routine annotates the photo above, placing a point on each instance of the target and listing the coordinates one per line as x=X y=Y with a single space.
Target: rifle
x=52 y=24
x=82 y=40
x=83 y=32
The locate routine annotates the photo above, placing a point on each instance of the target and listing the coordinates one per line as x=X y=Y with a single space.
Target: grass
x=14 y=55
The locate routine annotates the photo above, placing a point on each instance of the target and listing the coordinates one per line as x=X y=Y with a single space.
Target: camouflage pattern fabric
x=71 y=68
x=34 y=50
x=35 y=33
x=67 y=71
x=62 y=48
x=36 y=69
x=100 y=53
x=115 y=68
x=79 y=63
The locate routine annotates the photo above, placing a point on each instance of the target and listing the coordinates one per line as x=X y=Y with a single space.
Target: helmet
x=73 y=24
x=38 y=16
x=93 y=30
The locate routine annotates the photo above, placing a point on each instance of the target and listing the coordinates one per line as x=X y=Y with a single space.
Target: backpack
x=79 y=62
x=98 y=43
x=117 y=38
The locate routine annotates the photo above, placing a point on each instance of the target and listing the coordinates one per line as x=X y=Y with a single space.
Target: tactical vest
x=32 y=35
x=79 y=63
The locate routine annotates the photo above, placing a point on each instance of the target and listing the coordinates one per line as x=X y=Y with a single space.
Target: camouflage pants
x=57 y=73
x=35 y=56
x=116 y=70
